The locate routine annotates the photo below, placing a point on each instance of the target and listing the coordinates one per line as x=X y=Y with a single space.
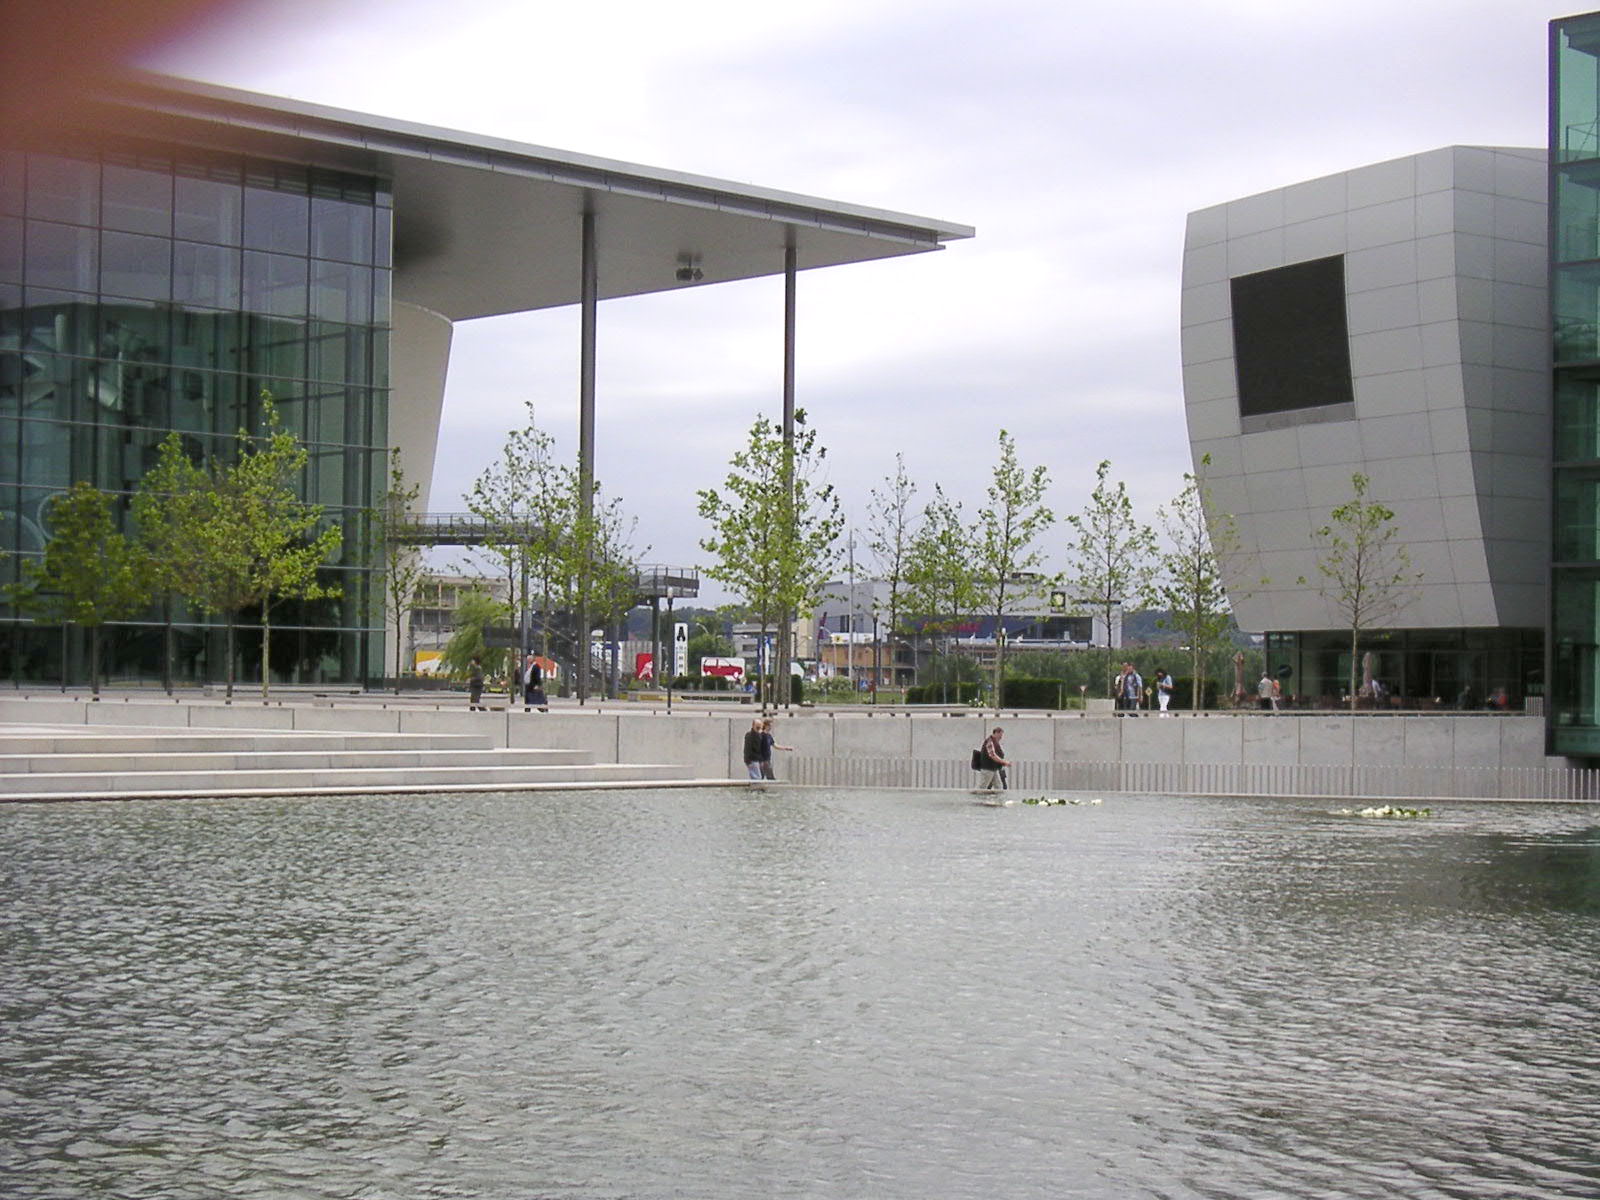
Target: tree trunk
x=166 y=643
x=266 y=647
x=228 y=671
x=94 y=661
x=399 y=647
x=1354 y=667
x=780 y=669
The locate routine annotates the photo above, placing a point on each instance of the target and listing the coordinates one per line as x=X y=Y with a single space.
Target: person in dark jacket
x=533 y=686
x=755 y=747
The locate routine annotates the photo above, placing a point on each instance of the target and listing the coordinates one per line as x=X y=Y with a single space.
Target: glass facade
x=1419 y=668
x=1574 y=701
x=149 y=290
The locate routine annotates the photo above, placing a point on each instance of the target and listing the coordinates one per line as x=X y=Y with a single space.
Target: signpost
x=680 y=650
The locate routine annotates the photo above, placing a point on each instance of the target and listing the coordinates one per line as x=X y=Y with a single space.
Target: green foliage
x=1207 y=689
x=941 y=580
x=402 y=565
x=1190 y=585
x=90 y=572
x=556 y=553
x=1110 y=556
x=961 y=692
x=1366 y=570
x=475 y=613
x=706 y=645
x=891 y=530
x=774 y=527
x=1009 y=526
x=236 y=532
x=529 y=500
x=1037 y=693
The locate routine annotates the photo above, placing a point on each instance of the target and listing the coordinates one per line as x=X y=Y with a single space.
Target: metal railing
x=1214 y=779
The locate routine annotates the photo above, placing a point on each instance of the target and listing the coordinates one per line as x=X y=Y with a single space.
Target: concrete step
x=189 y=742
x=208 y=783
x=278 y=760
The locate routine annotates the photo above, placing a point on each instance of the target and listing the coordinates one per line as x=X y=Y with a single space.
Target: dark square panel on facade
x=1291 y=338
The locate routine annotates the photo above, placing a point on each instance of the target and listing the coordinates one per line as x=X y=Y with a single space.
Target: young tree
x=774 y=528
x=242 y=536
x=90 y=572
x=1367 y=574
x=401 y=563
x=599 y=561
x=1190 y=586
x=173 y=500
x=528 y=503
x=891 y=527
x=1110 y=555
x=1009 y=525
x=941 y=580
x=476 y=613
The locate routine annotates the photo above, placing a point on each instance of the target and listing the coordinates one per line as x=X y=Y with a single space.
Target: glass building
x=1574 y=717
x=172 y=251
x=146 y=289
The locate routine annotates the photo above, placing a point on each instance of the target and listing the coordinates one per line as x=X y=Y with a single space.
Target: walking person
x=755 y=747
x=995 y=763
x=1264 y=692
x=475 y=685
x=1163 y=689
x=768 y=745
x=533 y=686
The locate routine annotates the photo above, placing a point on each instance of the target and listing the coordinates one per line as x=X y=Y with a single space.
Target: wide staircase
x=122 y=762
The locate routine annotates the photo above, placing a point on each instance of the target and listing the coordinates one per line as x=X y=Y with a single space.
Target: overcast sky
x=1074 y=136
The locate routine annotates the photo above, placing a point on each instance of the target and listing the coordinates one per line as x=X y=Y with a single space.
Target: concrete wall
x=710 y=741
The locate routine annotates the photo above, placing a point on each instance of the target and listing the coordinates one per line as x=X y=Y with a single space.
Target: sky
x=1075 y=137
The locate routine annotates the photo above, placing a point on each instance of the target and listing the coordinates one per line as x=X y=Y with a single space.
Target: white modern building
x=170 y=251
x=1391 y=321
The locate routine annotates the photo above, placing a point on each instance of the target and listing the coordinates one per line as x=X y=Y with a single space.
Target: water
x=715 y=994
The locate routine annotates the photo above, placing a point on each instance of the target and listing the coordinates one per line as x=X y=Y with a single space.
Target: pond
x=797 y=993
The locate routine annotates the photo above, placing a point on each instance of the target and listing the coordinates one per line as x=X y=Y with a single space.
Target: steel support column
x=780 y=668
x=586 y=357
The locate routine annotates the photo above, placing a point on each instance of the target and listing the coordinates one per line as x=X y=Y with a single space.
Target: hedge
x=942 y=693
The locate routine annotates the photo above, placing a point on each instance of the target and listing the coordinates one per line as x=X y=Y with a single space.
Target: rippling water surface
x=797 y=994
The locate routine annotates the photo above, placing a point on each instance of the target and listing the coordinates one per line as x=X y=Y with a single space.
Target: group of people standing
x=1130 y=691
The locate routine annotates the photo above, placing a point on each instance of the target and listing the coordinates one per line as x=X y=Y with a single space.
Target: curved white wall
x=419 y=358
x=1445 y=291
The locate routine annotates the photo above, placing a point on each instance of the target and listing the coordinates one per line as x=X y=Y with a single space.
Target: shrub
x=1183 y=688
x=942 y=693
x=1034 y=693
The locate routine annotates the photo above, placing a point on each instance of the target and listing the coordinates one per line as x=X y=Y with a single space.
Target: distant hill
x=1144 y=628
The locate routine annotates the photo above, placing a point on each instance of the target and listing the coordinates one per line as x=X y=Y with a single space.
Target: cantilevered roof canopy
x=485 y=226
